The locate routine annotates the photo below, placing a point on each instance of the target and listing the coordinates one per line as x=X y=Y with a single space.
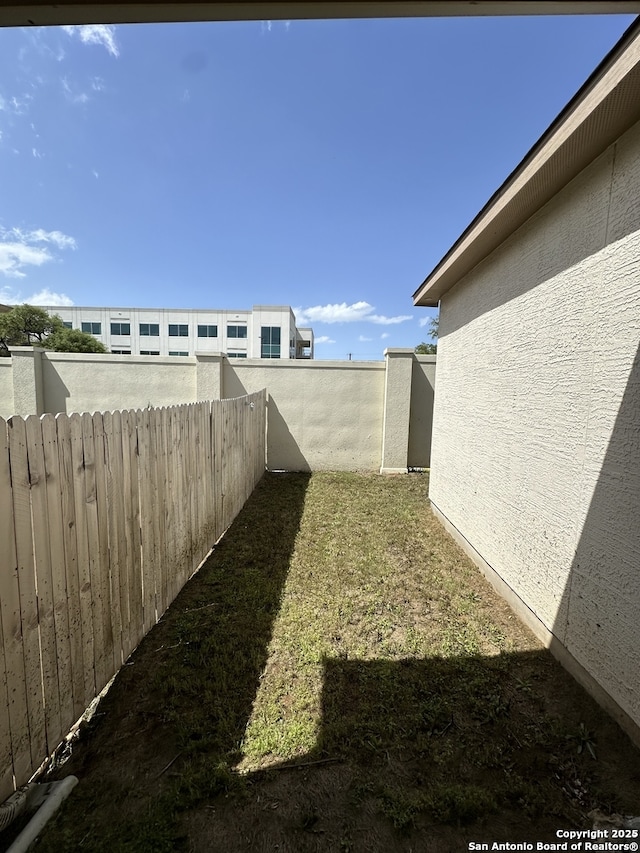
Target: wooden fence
x=103 y=518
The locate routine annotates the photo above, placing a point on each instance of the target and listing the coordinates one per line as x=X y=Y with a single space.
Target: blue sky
x=327 y=165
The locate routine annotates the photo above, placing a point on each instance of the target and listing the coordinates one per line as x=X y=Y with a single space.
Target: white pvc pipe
x=46 y=811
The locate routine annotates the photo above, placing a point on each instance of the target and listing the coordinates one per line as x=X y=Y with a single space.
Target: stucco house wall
x=536 y=433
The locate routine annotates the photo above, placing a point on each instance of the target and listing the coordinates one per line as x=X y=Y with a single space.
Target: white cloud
x=363 y=339
x=14 y=256
x=36 y=153
x=385 y=335
x=40 y=39
x=342 y=313
x=19 y=249
x=267 y=26
x=424 y=321
x=95 y=174
x=48 y=297
x=323 y=339
x=42 y=297
x=97 y=84
x=104 y=34
x=19 y=105
x=389 y=321
x=75 y=98
x=62 y=241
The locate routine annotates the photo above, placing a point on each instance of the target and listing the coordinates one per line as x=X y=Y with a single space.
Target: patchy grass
x=339 y=676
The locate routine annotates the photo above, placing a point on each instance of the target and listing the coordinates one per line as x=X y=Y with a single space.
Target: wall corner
x=397 y=410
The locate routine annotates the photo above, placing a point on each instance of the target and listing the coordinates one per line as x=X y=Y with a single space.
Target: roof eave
x=604 y=108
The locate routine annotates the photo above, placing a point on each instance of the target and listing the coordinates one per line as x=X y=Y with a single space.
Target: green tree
x=73 y=340
x=430 y=348
x=28 y=325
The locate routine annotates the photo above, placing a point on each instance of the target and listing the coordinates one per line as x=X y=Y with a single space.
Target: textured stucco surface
x=106 y=383
x=320 y=415
x=6 y=388
x=397 y=411
x=536 y=436
x=423 y=383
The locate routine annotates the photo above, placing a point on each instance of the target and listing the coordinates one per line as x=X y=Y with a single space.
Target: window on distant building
x=67 y=324
x=151 y=330
x=92 y=328
x=177 y=330
x=120 y=328
x=270 y=342
x=175 y=352
x=121 y=352
x=236 y=331
x=236 y=355
x=207 y=331
x=149 y=352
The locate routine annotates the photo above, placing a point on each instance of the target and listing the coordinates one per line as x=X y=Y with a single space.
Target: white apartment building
x=267 y=331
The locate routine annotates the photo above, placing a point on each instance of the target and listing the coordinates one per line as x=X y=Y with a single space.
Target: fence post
x=209 y=377
x=28 y=396
x=397 y=409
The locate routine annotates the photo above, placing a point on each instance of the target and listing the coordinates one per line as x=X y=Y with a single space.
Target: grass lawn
x=339 y=677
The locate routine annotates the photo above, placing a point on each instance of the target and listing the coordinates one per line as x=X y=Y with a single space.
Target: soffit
x=15 y=13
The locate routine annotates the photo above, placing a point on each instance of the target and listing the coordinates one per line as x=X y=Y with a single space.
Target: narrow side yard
x=339 y=677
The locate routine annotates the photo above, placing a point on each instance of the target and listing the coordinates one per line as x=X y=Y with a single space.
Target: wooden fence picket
x=96 y=603
x=103 y=581
x=15 y=751
x=114 y=488
x=57 y=557
x=131 y=439
x=160 y=509
x=27 y=585
x=42 y=555
x=72 y=576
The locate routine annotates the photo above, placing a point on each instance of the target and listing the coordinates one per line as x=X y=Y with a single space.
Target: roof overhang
x=605 y=107
x=23 y=13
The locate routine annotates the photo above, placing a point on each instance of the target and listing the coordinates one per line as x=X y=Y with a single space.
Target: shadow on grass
x=456 y=739
x=502 y=744
x=217 y=642
x=169 y=729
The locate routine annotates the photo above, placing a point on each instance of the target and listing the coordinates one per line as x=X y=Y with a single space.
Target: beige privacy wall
x=536 y=447
x=339 y=415
x=325 y=415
